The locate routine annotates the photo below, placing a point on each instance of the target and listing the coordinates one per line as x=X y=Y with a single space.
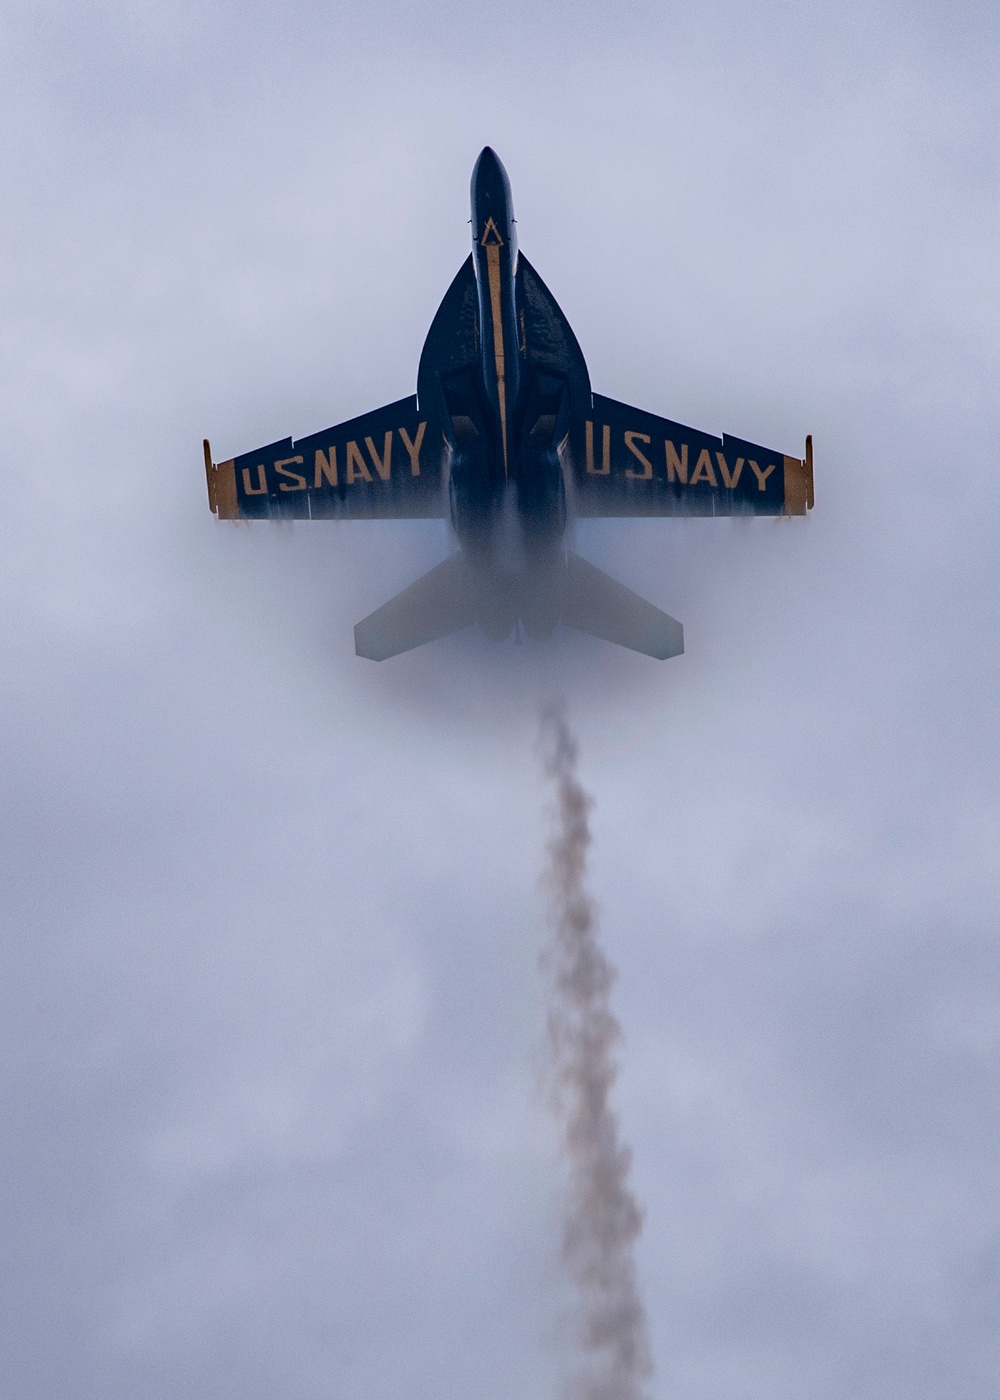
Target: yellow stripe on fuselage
x=496 y=308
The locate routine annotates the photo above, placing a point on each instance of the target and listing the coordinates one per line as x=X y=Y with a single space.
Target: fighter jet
x=505 y=439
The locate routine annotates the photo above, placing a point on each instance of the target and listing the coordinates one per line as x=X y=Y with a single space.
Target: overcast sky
x=270 y=1024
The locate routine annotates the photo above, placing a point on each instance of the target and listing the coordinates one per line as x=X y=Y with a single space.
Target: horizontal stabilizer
x=596 y=603
x=439 y=603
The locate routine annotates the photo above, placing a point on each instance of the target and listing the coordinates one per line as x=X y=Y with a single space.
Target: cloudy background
x=270 y=1023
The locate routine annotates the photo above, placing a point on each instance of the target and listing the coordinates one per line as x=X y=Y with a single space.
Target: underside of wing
x=626 y=462
x=385 y=465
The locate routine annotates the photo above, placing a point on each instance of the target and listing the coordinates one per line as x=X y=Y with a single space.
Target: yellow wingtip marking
x=225 y=490
x=810 y=490
x=209 y=474
x=796 y=487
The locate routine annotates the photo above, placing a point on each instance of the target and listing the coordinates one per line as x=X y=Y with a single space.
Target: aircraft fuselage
x=505 y=436
x=504 y=424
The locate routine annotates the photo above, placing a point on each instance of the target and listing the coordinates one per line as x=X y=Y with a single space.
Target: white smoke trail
x=602 y=1218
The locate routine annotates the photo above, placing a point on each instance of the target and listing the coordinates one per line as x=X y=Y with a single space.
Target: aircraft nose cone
x=488 y=166
x=491 y=197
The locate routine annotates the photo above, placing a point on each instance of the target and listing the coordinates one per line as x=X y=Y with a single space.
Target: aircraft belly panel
x=452 y=341
x=549 y=343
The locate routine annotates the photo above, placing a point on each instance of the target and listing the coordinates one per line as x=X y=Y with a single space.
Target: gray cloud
x=270 y=1019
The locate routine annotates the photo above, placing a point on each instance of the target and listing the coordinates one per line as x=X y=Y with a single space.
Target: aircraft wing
x=626 y=462
x=385 y=465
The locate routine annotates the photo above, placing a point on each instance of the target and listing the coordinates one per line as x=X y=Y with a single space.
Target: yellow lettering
x=325 y=470
x=704 y=471
x=761 y=475
x=356 y=469
x=383 y=464
x=261 y=488
x=647 y=467
x=413 y=448
x=677 y=467
x=300 y=481
x=605 y=466
x=731 y=481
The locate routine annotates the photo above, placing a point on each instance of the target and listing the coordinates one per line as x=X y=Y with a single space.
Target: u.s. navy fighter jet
x=505 y=438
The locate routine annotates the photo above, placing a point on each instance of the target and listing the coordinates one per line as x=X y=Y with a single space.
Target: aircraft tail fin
x=596 y=603
x=439 y=603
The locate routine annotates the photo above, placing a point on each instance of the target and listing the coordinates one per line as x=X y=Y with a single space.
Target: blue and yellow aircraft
x=505 y=438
